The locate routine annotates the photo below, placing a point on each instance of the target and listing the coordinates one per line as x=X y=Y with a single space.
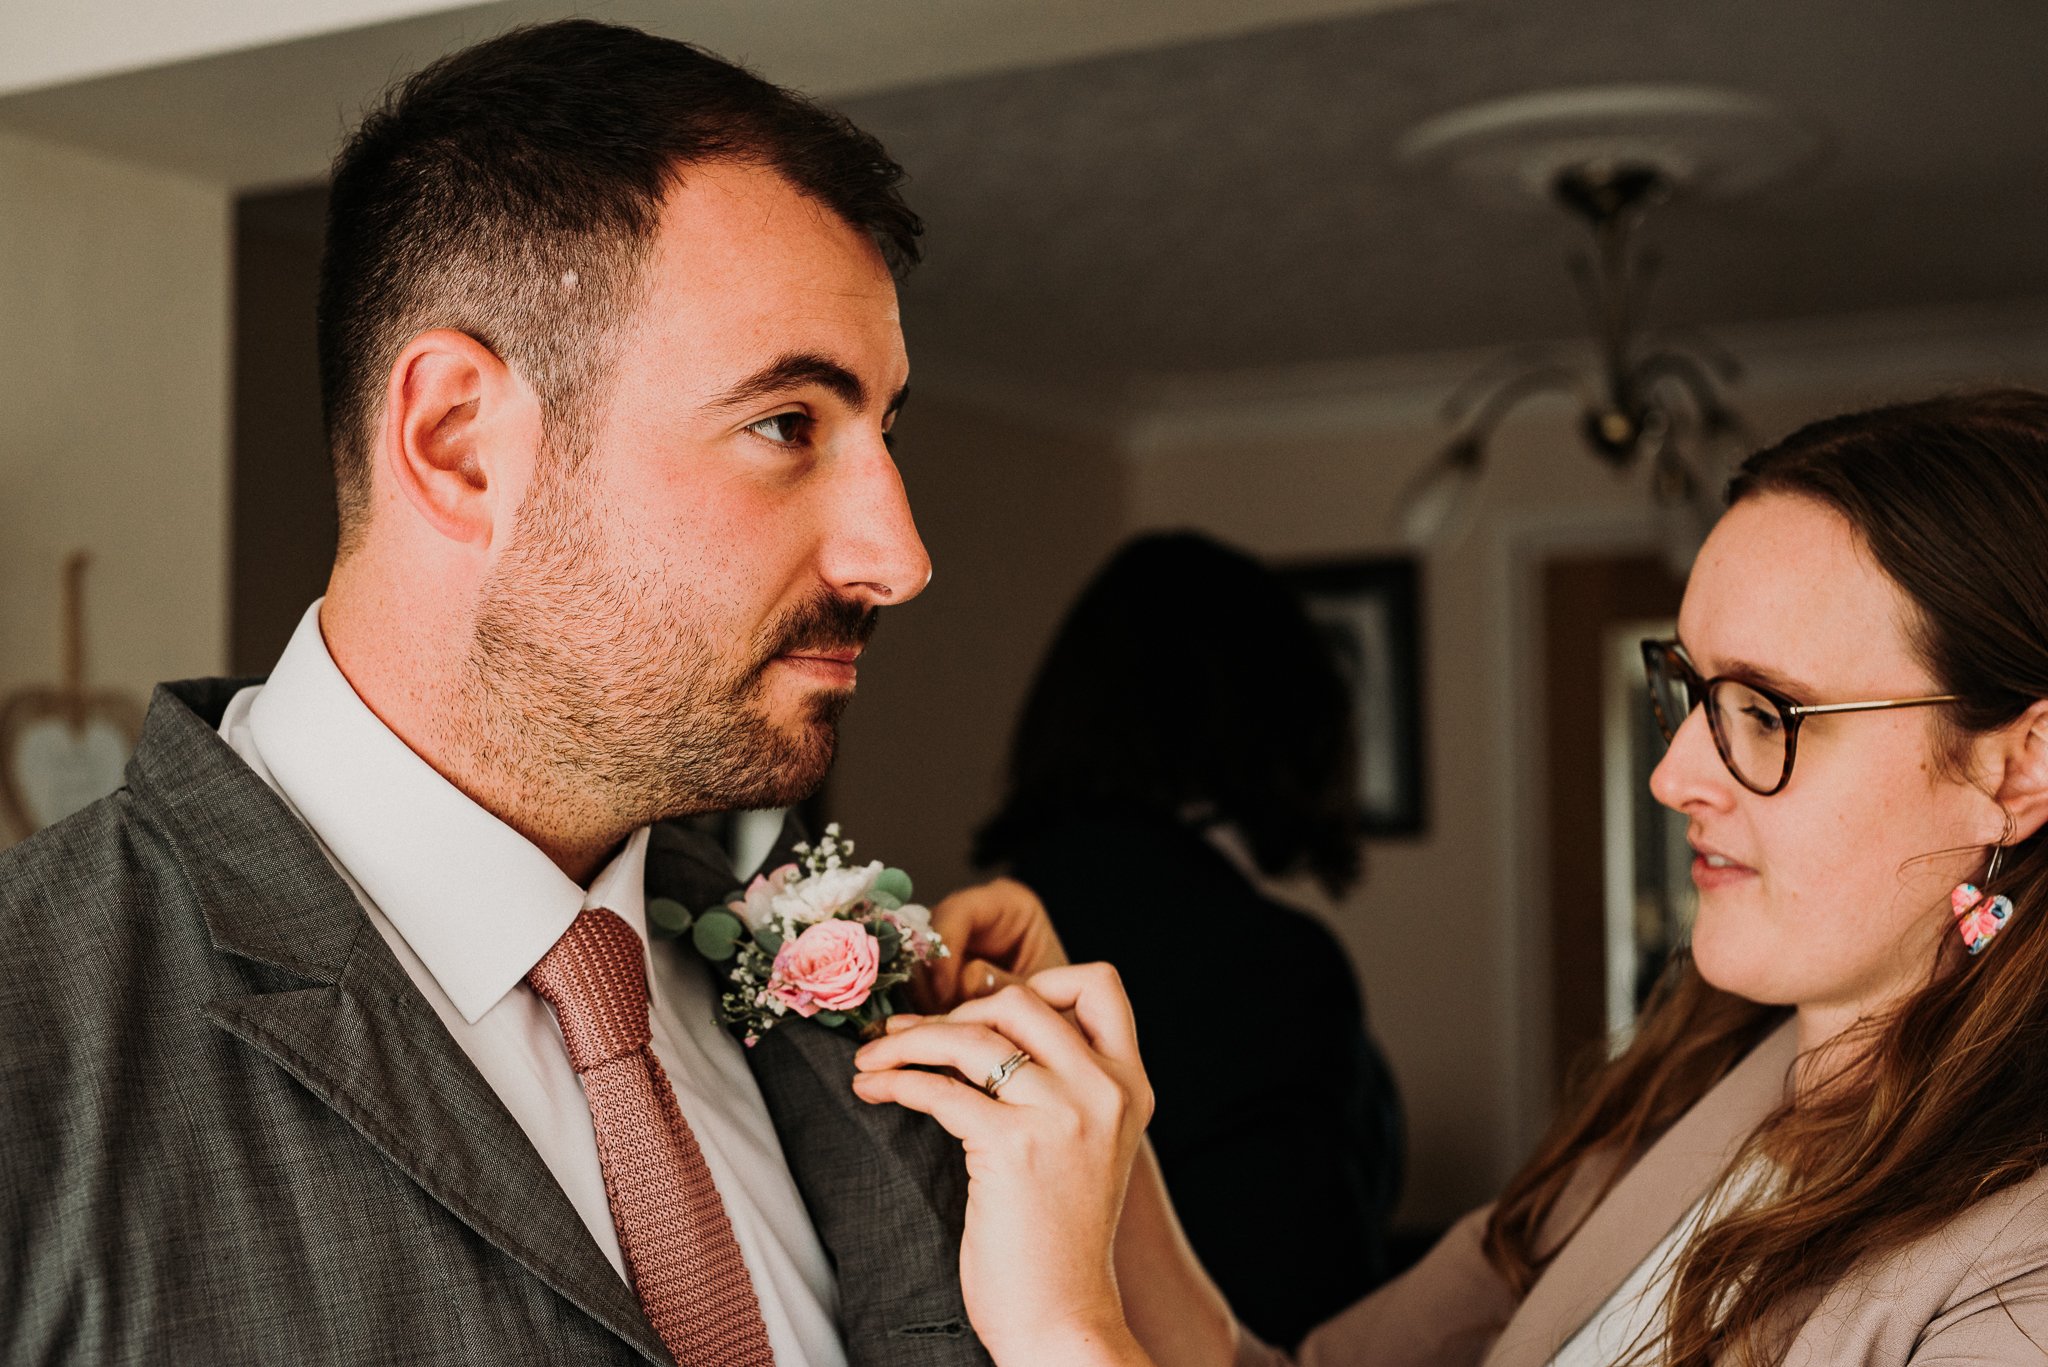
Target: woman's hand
x=1048 y=1158
x=997 y=933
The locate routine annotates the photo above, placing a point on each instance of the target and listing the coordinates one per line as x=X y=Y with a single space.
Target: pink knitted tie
x=673 y=1229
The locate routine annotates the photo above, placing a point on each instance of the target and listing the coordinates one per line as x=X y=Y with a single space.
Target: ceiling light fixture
x=1650 y=401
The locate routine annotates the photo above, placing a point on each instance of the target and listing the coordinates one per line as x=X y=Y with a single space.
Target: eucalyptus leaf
x=769 y=938
x=717 y=935
x=891 y=938
x=885 y=900
x=668 y=916
x=895 y=883
x=831 y=1020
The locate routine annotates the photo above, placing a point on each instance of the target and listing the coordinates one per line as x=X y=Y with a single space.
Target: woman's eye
x=784 y=429
x=1764 y=719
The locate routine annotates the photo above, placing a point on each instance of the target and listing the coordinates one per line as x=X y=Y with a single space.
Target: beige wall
x=113 y=414
x=1449 y=931
x=1015 y=519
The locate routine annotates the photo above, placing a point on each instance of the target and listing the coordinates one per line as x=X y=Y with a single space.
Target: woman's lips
x=1712 y=870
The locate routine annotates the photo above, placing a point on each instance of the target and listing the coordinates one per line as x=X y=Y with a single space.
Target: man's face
x=676 y=616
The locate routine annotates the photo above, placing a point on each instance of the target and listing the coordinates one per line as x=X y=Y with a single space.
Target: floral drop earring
x=1978 y=919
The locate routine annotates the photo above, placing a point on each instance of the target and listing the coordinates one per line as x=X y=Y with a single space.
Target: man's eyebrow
x=796 y=370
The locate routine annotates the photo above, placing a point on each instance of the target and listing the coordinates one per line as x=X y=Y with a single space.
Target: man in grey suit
x=610 y=355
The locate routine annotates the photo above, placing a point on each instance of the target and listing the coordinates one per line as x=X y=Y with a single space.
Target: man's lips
x=830 y=666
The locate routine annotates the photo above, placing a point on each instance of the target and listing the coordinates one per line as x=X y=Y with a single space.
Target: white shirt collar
x=477 y=901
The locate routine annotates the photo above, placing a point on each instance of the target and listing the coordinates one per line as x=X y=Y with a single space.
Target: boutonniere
x=827 y=939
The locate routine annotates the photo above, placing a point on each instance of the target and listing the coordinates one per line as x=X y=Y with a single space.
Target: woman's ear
x=458 y=435
x=2022 y=788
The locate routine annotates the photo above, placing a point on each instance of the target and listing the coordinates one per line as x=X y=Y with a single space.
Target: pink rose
x=832 y=966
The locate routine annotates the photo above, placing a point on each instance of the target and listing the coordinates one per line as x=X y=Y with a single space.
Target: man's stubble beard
x=572 y=680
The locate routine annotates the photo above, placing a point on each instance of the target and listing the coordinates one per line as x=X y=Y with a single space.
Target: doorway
x=1609 y=847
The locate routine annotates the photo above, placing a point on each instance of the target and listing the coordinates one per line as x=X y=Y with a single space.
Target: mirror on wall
x=1650 y=896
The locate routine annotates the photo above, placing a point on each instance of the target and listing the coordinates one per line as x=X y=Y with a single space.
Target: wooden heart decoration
x=58 y=754
x=62 y=748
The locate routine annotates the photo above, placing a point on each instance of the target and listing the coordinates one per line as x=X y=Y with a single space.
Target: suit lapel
x=887 y=1191
x=1646 y=1205
x=350 y=1025
x=886 y=1188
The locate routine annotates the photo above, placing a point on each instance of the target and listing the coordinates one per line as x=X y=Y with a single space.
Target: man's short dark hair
x=511 y=191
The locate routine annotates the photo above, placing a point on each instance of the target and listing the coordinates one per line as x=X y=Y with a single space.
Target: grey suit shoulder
x=231 y=1131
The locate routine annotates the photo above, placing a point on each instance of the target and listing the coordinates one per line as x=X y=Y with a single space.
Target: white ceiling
x=1226 y=206
x=256 y=92
x=53 y=43
x=1126 y=198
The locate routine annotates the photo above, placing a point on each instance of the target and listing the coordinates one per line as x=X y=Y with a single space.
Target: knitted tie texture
x=673 y=1229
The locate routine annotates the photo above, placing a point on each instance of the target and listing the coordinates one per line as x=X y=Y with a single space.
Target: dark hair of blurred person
x=1186 y=746
x=1188 y=675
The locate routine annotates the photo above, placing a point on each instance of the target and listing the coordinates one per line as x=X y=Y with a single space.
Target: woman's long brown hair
x=1943 y=1100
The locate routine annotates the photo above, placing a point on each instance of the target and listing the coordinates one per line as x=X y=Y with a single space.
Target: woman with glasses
x=1826 y=1141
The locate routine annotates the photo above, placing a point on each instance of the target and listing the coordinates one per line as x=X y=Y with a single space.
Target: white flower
x=759 y=903
x=820 y=896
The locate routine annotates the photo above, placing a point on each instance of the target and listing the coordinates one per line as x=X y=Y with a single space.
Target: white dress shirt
x=469 y=906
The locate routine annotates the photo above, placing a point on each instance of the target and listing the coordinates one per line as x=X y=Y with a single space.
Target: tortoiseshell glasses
x=1755 y=729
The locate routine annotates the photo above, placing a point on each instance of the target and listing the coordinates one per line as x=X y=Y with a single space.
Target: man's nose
x=873 y=553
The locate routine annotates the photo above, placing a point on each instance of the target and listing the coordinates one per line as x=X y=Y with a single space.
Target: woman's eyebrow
x=1768 y=678
x=1751 y=672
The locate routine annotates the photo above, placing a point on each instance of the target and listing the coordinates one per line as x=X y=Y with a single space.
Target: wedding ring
x=1004 y=1071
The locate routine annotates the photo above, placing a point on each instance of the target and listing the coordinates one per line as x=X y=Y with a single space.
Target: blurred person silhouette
x=1185 y=754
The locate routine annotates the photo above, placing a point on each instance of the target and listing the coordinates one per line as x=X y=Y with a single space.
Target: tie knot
x=595 y=978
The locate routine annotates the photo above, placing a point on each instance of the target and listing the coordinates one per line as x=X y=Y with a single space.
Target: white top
x=1634 y=1314
x=469 y=906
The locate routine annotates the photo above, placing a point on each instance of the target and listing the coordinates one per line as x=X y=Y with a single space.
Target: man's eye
x=784 y=429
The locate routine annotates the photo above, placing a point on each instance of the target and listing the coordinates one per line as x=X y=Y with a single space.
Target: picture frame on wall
x=1370 y=611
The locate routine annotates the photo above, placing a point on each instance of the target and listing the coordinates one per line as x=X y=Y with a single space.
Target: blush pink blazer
x=1975 y=1291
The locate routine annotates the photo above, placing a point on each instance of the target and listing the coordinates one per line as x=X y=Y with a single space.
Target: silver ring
x=1004 y=1071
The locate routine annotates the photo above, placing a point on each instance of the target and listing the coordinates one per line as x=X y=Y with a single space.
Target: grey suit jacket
x=232 y=1131
x=1974 y=1291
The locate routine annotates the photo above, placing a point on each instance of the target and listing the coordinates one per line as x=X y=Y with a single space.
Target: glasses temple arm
x=1878 y=705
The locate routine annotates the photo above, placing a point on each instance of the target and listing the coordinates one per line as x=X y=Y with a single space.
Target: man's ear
x=2023 y=778
x=459 y=432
